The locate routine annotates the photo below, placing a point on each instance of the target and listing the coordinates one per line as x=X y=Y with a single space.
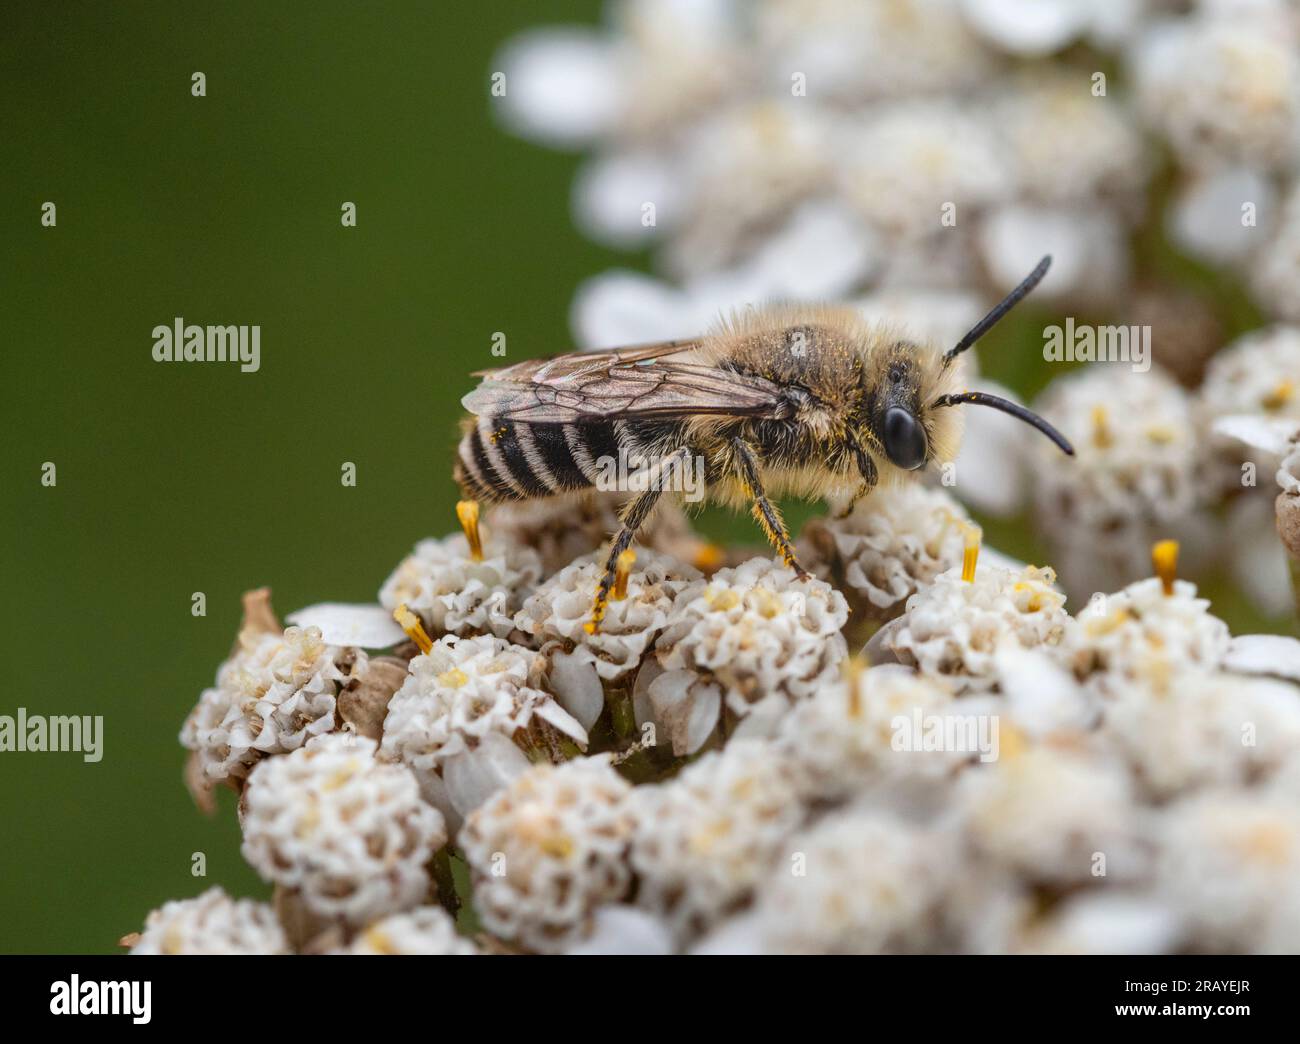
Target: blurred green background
x=180 y=478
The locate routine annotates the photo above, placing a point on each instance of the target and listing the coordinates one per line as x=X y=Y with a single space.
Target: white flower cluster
x=704 y=839
x=750 y=642
x=211 y=923
x=955 y=628
x=1021 y=780
x=1136 y=476
x=465 y=714
x=455 y=593
x=890 y=546
x=343 y=830
x=276 y=692
x=548 y=850
x=425 y=931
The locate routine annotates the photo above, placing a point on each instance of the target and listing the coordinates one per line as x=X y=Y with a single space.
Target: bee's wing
x=638 y=382
x=576 y=362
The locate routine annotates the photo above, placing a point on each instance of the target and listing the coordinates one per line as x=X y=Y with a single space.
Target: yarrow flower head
x=954 y=628
x=1242 y=105
x=276 y=692
x=347 y=832
x=705 y=838
x=456 y=592
x=583 y=659
x=860 y=881
x=426 y=931
x=846 y=738
x=549 y=849
x=1045 y=813
x=752 y=640
x=211 y=923
x=1230 y=869
x=1256 y=375
x=1202 y=728
x=465 y=715
x=1135 y=478
x=894 y=543
x=1144 y=633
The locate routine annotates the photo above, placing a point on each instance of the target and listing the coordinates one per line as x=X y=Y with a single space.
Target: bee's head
x=897 y=417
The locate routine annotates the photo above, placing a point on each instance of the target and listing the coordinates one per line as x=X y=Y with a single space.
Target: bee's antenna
x=973 y=398
x=1002 y=308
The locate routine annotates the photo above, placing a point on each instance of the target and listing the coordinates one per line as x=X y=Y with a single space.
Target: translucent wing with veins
x=626 y=383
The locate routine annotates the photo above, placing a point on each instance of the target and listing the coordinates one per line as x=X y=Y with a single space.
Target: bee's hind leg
x=765 y=512
x=633 y=518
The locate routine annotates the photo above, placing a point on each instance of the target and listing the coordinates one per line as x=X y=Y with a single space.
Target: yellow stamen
x=467 y=512
x=1101 y=433
x=410 y=623
x=1164 y=556
x=622 y=570
x=1281 y=394
x=709 y=559
x=971 y=552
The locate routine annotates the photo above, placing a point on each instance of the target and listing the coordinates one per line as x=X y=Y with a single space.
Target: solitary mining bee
x=804 y=401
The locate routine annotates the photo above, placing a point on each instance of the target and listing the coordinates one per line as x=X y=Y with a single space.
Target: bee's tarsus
x=634 y=516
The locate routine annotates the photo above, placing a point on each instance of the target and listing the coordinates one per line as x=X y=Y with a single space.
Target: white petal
x=1087 y=248
x=642 y=707
x=687 y=709
x=365 y=626
x=1043 y=696
x=625 y=930
x=1256 y=557
x=1273 y=654
x=1033 y=27
x=610 y=194
x=577 y=687
x=619 y=307
x=877 y=649
x=473 y=776
x=1206 y=218
x=742 y=935
x=823 y=252
x=562 y=85
x=990 y=467
x=1115 y=924
x=1270 y=434
x=557 y=717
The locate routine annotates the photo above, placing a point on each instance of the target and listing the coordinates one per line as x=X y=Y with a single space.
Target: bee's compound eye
x=904 y=439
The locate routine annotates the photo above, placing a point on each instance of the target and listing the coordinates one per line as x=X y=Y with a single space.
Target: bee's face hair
x=901 y=379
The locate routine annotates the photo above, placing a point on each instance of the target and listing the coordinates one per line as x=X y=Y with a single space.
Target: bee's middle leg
x=765 y=512
x=633 y=518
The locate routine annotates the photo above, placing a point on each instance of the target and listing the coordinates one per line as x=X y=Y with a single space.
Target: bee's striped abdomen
x=510 y=460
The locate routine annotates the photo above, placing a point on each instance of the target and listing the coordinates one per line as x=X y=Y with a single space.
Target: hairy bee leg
x=867 y=468
x=765 y=512
x=847 y=509
x=633 y=518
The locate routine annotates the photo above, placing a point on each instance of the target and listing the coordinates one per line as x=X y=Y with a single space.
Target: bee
x=811 y=402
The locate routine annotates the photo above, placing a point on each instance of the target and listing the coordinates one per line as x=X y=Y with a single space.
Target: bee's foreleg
x=633 y=518
x=866 y=468
x=765 y=512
